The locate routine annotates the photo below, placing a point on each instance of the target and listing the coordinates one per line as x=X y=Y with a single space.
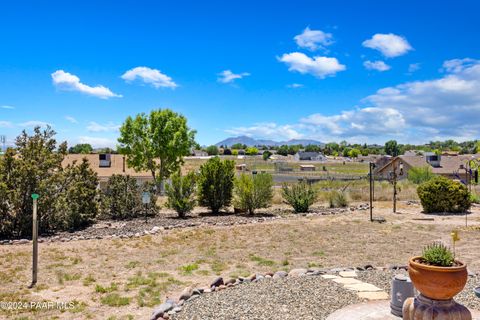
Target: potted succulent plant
x=436 y=273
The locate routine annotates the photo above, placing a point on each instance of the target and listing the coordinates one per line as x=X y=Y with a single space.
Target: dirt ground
x=126 y=278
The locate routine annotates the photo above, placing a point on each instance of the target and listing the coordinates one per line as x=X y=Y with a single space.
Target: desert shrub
x=420 y=174
x=441 y=194
x=77 y=205
x=300 y=195
x=212 y=150
x=215 y=183
x=266 y=155
x=253 y=191
x=437 y=254
x=337 y=199
x=180 y=193
x=67 y=196
x=122 y=198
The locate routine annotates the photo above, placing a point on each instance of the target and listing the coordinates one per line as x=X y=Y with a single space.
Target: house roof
x=116 y=165
x=448 y=164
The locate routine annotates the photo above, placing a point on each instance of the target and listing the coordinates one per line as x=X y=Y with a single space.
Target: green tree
x=215 y=183
x=238 y=146
x=391 y=148
x=67 y=196
x=253 y=191
x=212 y=150
x=83 y=148
x=181 y=193
x=156 y=143
x=251 y=151
x=266 y=155
x=420 y=175
x=283 y=150
x=312 y=148
x=354 y=153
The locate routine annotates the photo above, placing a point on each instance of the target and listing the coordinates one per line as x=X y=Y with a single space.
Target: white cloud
x=267 y=131
x=295 y=85
x=150 y=76
x=98 y=142
x=5 y=124
x=34 y=123
x=412 y=67
x=376 y=65
x=415 y=112
x=96 y=127
x=71 y=119
x=227 y=76
x=390 y=45
x=7 y=107
x=313 y=39
x=320 y=67
x=69 y=82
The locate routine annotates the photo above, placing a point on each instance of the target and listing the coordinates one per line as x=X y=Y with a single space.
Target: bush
x=337 y=199
x=266 y=155
x=215 y=183
x=77 y=206
x=420 y=175
x=300 y=196
x=67 y=196
x=441 y=194
x=122 y=198
x=253 y=191
x=180 y=193
x=251 y=151
x=437 y=254
x=212 y=150
x=227 y=152
x=474 y=198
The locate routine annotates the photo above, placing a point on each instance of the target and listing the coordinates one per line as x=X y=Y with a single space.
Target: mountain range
x=249 y=141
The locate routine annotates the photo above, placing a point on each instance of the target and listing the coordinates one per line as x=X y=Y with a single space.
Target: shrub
x=266 y=155
x=337 y=199
x=77 y=206
x=227 y=152
x=122 y=198
x=212 y=150
x=441 y=194
x=300 y=195
x=180 y=193
x=251 y=151
x=420 y=175
x=437 y=254
x=253 y=191
x=215 y=183
x=474 y=198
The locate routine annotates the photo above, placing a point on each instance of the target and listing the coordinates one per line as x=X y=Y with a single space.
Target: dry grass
x=125 y=278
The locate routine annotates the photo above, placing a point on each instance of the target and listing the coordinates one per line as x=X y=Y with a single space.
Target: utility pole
x=34 y=241
x=372 y=166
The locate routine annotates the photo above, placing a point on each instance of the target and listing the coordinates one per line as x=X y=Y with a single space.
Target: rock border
x=156 y=229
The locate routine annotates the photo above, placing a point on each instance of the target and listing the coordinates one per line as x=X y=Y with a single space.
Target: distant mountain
x=260 y=142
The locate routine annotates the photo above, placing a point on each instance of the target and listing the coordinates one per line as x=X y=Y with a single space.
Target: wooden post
x=371 y=192
x=34 y=241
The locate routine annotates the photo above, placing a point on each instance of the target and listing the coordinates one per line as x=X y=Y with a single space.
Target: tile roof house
x=448 y=166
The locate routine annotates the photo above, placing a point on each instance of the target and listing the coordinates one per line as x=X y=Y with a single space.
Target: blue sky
x=326 y=70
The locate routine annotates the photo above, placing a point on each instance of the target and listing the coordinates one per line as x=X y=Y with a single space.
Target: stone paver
x=376 y=295
x=348 y=274
x=362 y=287
x=329 y=276
x=347 y=281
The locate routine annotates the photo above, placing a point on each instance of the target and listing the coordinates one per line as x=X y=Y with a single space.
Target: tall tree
x=156 y=143
x=83 y=148
x=391 y=148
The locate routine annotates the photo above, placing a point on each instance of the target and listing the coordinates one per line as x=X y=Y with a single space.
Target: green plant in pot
x=436 y=273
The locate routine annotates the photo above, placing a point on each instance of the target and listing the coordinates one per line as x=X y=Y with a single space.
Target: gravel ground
x=309 y=297
x=382 y=279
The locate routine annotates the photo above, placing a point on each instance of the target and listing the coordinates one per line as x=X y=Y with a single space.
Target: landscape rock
x=217 y=282
x=280 y=274
x=161 y=310
x=297 y=272
x=186 y=293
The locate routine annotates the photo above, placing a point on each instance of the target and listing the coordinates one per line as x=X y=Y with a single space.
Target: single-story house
x=448 y=166
x=309 y=156
x=106 y=165
x=199 y=153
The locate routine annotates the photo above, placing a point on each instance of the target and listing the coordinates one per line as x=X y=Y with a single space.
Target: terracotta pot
x=439 y=283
